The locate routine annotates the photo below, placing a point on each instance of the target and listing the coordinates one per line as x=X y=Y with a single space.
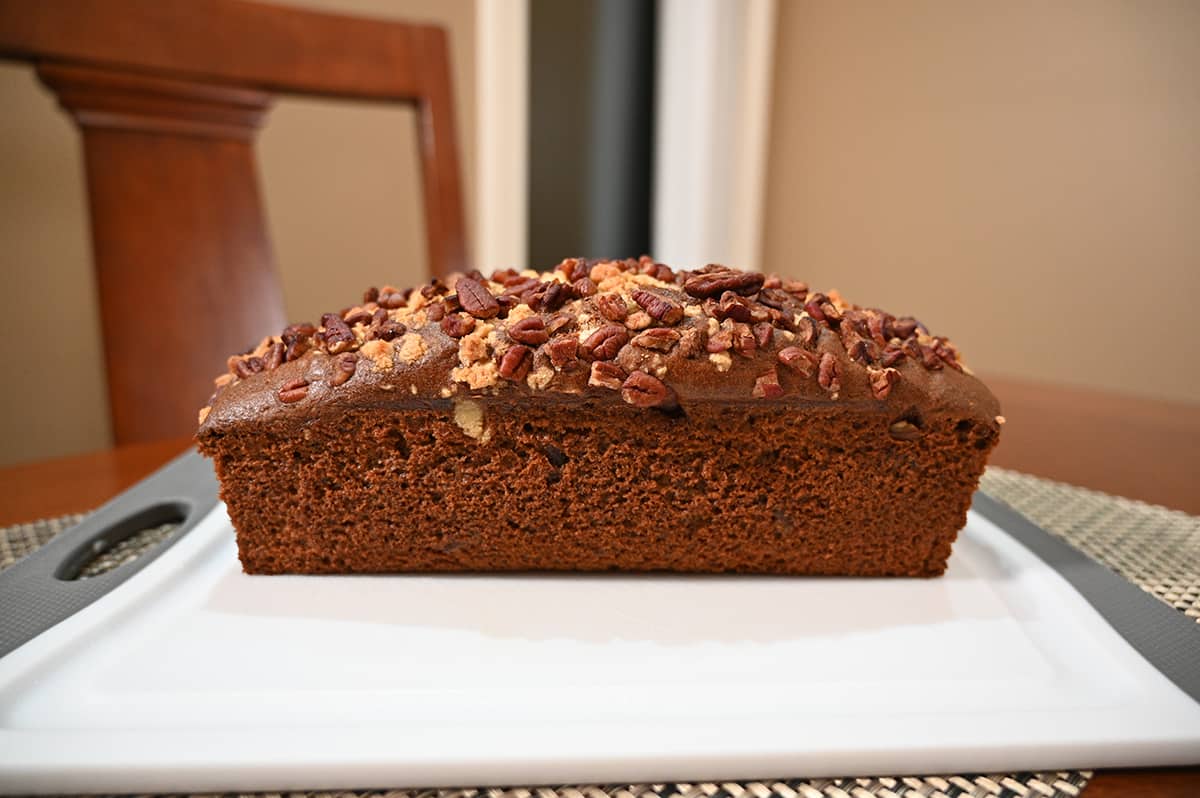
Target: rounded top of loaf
x=632 y=332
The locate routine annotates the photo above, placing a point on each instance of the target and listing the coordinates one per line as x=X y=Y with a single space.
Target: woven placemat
x=1156 y=548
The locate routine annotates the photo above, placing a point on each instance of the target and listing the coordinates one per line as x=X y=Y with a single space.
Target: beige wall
x=1024 y=177
x=340 y=181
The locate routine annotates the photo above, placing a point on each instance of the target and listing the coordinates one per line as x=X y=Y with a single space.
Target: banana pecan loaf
x=606 y=415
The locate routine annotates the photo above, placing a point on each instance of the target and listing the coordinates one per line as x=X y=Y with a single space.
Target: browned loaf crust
x=607 y=415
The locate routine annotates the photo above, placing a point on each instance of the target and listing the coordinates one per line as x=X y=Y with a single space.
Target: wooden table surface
x=1128 y=446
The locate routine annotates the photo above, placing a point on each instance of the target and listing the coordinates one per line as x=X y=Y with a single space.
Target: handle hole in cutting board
x=122 y=542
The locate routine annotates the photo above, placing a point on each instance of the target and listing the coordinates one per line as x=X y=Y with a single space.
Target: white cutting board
x=192 y=676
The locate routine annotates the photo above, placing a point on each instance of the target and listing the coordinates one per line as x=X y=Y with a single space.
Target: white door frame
x=715 y=63
x=501 y=134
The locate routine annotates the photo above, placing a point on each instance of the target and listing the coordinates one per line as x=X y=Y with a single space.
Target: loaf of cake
x=605 y=415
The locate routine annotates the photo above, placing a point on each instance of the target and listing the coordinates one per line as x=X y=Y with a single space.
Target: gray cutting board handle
x=41 y=591
x=1166 y=637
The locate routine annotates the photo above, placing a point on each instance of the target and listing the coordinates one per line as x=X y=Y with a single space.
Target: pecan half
x=343 y=368
x=563 y=351
x=531 y=331
x=584 y=286
x=904 y=328
x=643 y=390
x=604 y=343
x=476 y=299
x=244 y=367
x=659 y=308
x=391 y=299
x=612 y=307
x=716 y=280
x=456 y=325
x=293 y=391
x=274 y=356
x=338 y=336
x=892 y=355
x=357 y=316
x=516 y=362
x=661 y=339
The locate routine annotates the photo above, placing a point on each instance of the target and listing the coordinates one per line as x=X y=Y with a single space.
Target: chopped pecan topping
x=720 y=341
x=905 y=327
x=584 y=286
x=604 y=343
x=391 y=299
x=821 y=308
x=559 y=322
x=882 y=381
x=763 y=333
x=357 y=316
x=606 y=375
x=244 y=367
x=476 y=299
x=743 y=340
x=436 y=286
x=343 y=368
x=547 y=296
x=661 y=339
x=795 y=287
x=715 y=280
x=767 y=386
x=612 y=307
x=799 y=360
x=639 y=320
x=691 y=343
x=273 y=358
x=930 y=358
x=531 y=331
x=860 y=350
x=507 y=277
x=436 y=311
x=384 y=328
x=808 y=330
x=828 y=375
x=295 y=349
x=563 y=351
x=294 y=332
x=516 y=362
x=779 y=299
x=293 y=391
x=520 y=284
x=338 y=336
x=456 y=325
x=643 y=390
x=370 y=295
x=573 y=269
x=658 y=307
x=892 y=354
x=879 y=325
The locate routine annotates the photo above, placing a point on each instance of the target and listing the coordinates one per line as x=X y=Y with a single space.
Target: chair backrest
x=168 y=96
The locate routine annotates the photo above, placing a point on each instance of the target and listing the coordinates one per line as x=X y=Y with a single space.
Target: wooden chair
x=169 y=95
